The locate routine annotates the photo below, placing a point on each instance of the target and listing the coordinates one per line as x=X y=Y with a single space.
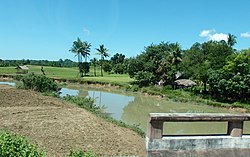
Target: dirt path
x=59 y=127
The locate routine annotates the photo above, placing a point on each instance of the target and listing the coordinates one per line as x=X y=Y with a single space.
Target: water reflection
x=114 y=103
x=136 y=112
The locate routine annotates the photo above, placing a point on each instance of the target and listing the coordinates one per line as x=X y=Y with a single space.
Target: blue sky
x=46 y=29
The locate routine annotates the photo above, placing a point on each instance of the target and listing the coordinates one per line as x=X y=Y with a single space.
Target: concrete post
x=155 y=129
x=235 y=128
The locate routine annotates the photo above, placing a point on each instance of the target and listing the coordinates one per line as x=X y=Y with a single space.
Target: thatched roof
x=185 y=82
x=24 y=67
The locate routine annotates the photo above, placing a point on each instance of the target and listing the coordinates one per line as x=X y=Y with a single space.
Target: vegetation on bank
x=12 y=145
x=89 y=105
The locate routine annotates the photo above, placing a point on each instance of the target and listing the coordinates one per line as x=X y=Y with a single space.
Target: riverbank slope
x=58 y=126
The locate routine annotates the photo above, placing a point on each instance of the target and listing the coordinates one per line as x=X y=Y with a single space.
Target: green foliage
x=84 y=68
x=103 y=52
x=107 y=67
x=12 y=145
x=80 y=153
x=201 y=58
x=119 y=68
x=86 y=103
x=144 y=78
x=117 y=58
x=157 y=62
x=59 y=63
x=38 y=83
x=81 y=49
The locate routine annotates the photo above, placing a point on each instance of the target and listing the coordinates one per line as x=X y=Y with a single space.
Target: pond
x=133 y=109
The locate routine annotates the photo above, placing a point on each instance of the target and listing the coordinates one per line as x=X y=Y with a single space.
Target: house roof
x=185 y=82
x=24 y=67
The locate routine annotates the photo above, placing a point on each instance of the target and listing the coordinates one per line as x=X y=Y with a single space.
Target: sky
x=46 y=29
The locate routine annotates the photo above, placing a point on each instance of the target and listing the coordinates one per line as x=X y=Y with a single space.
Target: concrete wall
x=200 y=146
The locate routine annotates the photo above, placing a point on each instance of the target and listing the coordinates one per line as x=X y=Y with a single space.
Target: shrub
x=12 y=145
x=86 y=103
x=38 y=83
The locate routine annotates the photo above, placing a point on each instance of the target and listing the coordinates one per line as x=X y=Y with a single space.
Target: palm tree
x=85 y=50
x=94 y=61
x=174 y=59
x=175 y=54
x=102 y=51
x=76 y=49
x=231 y=40
x=81 y=49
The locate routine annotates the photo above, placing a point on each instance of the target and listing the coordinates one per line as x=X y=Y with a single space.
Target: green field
x=71 y=74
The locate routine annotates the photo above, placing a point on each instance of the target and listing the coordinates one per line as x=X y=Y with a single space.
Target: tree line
x=223 y=71
x=59 y=63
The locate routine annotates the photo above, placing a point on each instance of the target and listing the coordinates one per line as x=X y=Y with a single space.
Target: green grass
x=73 y=74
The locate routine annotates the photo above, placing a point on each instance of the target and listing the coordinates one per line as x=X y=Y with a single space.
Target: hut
x=22 y=69
x=182 y=83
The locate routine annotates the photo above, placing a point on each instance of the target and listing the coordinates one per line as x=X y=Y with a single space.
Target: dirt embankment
x=59 y=127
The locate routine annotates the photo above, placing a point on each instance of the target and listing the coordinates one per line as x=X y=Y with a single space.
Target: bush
x=11 y=146
x=143 y=78
x=38 y=83
x=86 y=103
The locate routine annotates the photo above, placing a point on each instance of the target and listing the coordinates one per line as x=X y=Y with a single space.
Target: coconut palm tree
x=85 y=50
x=175 y=53
x=231 y=40
x=102 y=51
x=77 y=48
x=94 y=61
x=81 y=49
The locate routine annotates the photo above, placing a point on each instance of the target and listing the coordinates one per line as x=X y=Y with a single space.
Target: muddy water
x=134 y=108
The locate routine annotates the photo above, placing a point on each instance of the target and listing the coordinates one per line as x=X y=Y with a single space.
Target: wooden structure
x=156 y=120
x=22 y=69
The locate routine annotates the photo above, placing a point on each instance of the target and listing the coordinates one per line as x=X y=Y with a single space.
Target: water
x=134 y=108
x=8 y=83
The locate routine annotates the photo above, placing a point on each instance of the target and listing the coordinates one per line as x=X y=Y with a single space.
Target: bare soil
x=59 y=127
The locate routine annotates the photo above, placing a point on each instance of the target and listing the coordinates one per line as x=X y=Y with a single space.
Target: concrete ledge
x=177 y=117
x=199 y=146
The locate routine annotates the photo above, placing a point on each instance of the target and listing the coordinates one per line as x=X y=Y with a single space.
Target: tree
x=94 y=61
x=175 y=54
x=232 y=82
x=153 y=61
x=102 y=51
x=231 y=40
x=81 y=49
x=201 y=58
x=117 y=58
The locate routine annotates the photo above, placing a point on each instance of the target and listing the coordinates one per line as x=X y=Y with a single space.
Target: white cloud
x=86 y=31
x=212 y=35
x=245 y=35
x=205 y=33
x=218 y=37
